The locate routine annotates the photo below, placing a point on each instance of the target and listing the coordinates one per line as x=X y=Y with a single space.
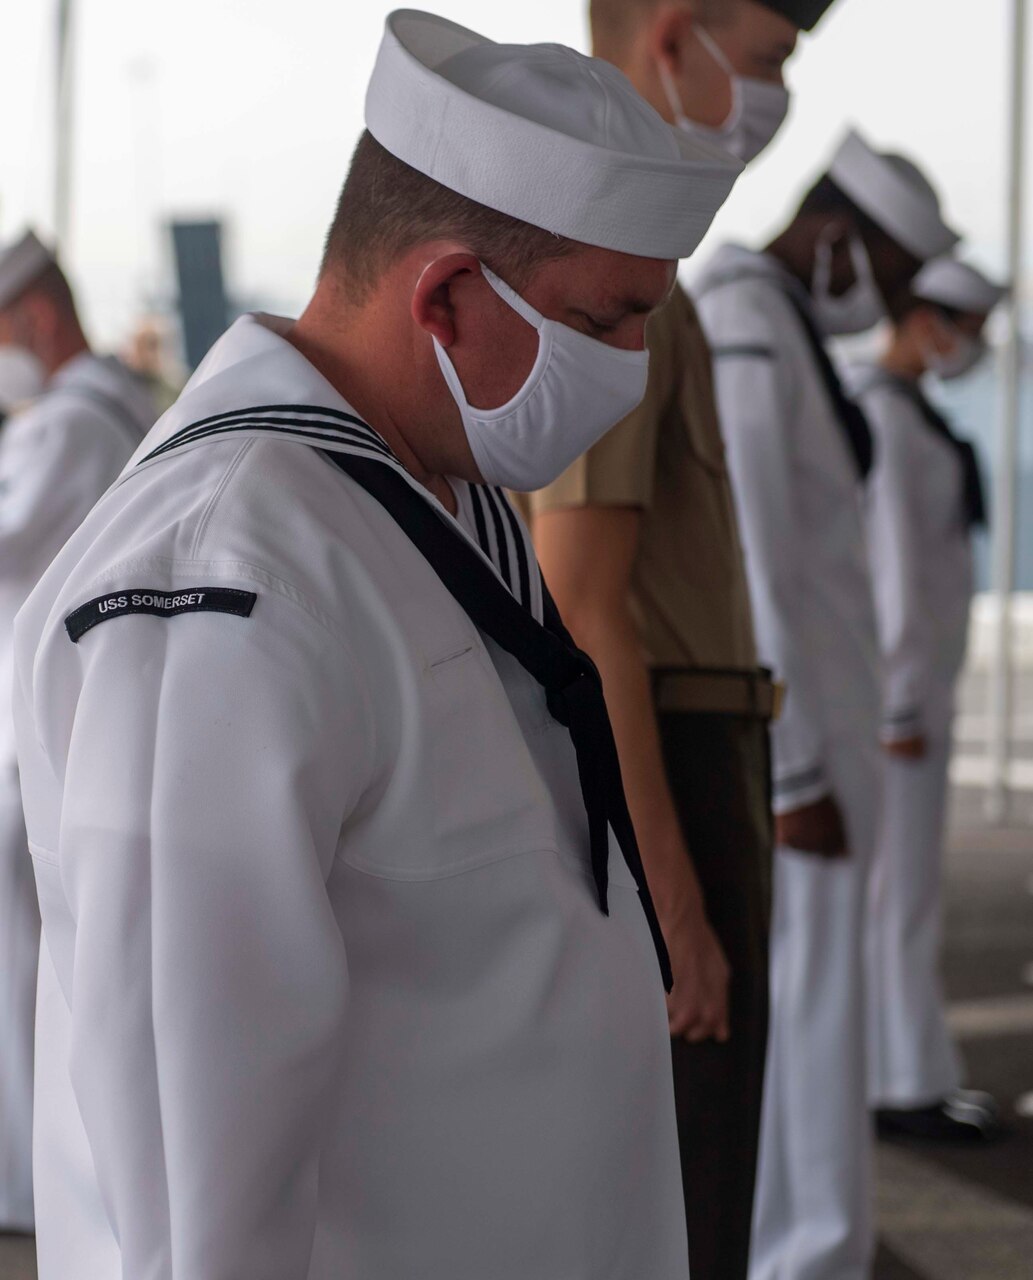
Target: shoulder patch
x=161 y=604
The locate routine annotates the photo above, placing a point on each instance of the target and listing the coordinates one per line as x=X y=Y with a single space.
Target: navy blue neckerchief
x=573 y=688
x=973 y=499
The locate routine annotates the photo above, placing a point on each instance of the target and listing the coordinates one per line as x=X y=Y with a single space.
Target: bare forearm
x=588 y=556
x=612 y=642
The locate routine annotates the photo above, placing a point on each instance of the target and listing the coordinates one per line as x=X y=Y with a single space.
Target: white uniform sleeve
x=55 y=463
x=894 y=540
x=756 y=406
x=212 y=762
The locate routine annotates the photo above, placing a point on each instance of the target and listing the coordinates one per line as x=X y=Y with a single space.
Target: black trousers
x=718 y=767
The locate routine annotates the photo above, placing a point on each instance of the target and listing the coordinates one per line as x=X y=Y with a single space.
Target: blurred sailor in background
x=349 y=964
x=21 y=380
x=638 y=541
x=57 y=456
x=925 y=499
x=799 y=451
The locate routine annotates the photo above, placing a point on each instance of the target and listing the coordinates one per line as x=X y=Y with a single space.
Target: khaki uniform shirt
x=689 y=592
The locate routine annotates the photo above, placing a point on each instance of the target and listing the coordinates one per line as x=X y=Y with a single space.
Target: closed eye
x=598 y=328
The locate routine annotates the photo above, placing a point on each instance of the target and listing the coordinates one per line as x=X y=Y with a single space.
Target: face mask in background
x=577 y=390
x=22 y=377
x=759 y=107
x=859 y=309
x=965 y=353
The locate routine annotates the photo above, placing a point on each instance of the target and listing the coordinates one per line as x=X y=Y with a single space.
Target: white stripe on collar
x=501 y=536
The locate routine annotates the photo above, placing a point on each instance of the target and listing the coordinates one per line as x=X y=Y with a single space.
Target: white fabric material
x=19 y=939
x=800 y=511
x=957 y=285
x=543 y=134
x=964 y=355
x=21 y=378
x=921 y=556
x=21 y=262
x=799 y=502
x=327 y=890
x=813 y=1211
x=894 y=194
x=577 y=389
x=56 y=459
x=922 y=565
x=759 y=107
x=857 y=310
x=912 y=1058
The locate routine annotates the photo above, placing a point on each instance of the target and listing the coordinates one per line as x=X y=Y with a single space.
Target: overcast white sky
x=249 y=109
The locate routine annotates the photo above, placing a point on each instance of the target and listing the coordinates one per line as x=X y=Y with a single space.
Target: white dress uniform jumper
x=326 y=989
x=797 y=451
x=923 y=500
x=56 y=459
x=346 y=970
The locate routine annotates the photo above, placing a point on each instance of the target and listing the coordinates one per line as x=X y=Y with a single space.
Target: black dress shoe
x=964 y=1116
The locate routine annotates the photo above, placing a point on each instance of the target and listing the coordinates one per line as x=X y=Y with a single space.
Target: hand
x=816 y=828
x=907 y=748
x=697 y=1008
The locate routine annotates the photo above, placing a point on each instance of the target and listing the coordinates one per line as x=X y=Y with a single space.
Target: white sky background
x=249 y=109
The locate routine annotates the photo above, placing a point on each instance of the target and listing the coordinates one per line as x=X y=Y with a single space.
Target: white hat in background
x=954 y=284
x=21 y=262
x=895 y=194
x=21 y=378
x=543 y=134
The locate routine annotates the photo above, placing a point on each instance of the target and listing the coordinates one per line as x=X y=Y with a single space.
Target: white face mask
x=577 y=390
x=965 y=353
x=859 y=309
x=759 y=107
x=22 y=376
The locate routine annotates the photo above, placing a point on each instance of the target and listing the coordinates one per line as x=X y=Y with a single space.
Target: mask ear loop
x=821 y=283
x=957 y=337
x=860 y=263
x=670 y=89
x=860 y=260
x=721 y=58
x=513 y=299
x=934 y=358
x=534 y=318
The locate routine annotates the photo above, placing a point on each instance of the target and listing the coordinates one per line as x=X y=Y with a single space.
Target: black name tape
x=161 y=604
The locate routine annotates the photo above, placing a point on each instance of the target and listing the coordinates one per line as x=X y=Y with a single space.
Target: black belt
x=573 y=689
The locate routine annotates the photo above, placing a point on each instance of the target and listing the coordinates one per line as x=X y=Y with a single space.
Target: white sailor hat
x=895 y=194
x=21 y=262
x=954 y=284
x=543 y=134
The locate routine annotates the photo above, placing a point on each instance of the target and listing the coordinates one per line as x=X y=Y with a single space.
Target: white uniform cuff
x=901 y=725
x=799 y=788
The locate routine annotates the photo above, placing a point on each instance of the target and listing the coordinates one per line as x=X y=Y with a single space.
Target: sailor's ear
x=434 y=296
x=932 y=329
x=838 y=228
x=35 y=320
x=668 y=33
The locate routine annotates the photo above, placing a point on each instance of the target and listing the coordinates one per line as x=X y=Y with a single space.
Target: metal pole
x=63 y=122
x=1006 y=487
